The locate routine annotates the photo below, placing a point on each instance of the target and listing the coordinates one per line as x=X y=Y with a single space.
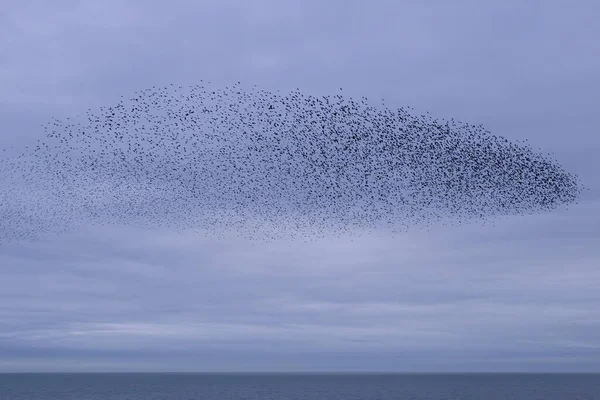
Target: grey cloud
x=375 y=295
x=520 y=294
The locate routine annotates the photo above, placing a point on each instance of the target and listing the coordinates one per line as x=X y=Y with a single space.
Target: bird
x=269 y=165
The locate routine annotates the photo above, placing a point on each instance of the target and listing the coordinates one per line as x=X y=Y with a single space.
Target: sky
x=517 y=296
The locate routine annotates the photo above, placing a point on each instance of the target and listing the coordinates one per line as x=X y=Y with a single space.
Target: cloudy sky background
x=519 y=296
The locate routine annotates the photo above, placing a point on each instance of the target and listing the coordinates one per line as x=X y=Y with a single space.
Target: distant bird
x=267 y=164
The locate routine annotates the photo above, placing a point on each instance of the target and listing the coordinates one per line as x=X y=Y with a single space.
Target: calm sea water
x=297 y=387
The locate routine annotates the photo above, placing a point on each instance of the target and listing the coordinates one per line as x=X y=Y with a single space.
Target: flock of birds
x=268 y=164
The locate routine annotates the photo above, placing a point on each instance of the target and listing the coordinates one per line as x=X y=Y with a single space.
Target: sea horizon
x=286 y=373
x=298 y=385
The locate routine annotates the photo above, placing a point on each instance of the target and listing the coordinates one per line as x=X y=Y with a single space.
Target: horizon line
x=302 y=372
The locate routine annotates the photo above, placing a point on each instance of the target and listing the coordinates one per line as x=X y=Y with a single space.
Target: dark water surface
x=298 y=386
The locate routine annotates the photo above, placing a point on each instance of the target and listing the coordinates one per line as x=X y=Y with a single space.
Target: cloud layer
x=519 y=295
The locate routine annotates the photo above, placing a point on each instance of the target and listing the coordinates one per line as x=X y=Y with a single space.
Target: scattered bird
x=268 y=164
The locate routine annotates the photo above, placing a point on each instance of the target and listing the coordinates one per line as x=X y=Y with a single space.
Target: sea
x=188 y=386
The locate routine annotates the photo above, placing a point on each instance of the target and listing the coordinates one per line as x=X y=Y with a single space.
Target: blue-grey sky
x=518 y=296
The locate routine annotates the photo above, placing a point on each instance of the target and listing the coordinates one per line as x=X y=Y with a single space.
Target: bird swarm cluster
x=262 y=162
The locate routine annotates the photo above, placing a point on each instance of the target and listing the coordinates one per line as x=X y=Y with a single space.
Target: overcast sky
x=519 y=296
